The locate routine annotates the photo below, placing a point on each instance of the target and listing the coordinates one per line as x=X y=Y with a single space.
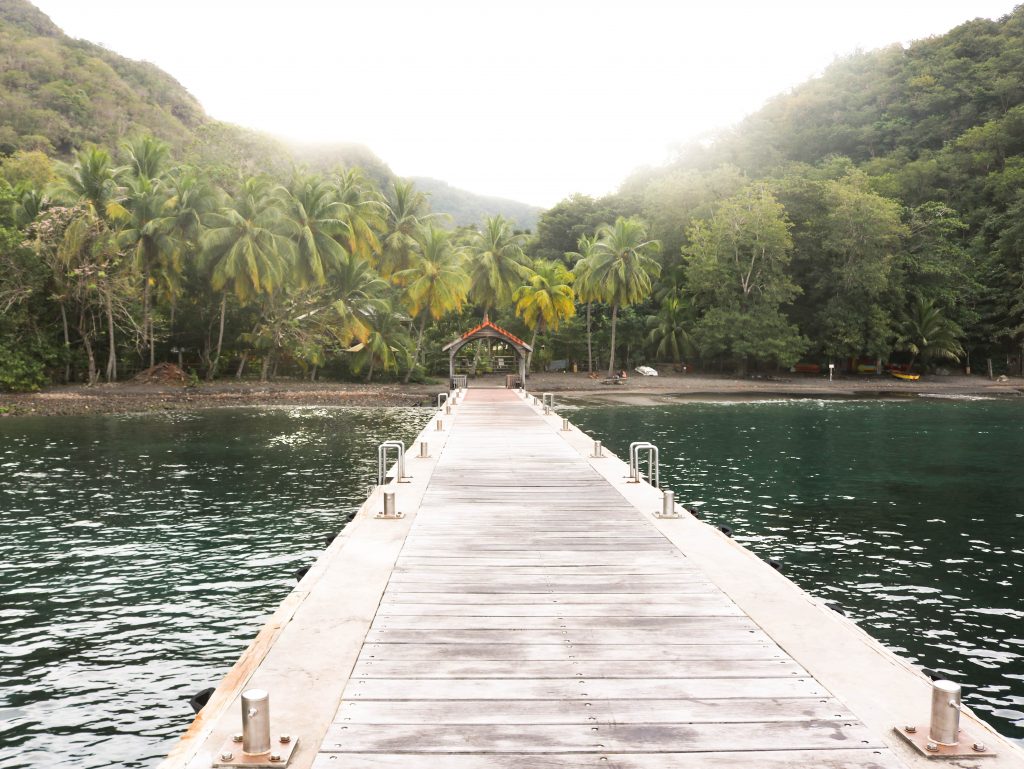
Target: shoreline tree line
x=871 y=215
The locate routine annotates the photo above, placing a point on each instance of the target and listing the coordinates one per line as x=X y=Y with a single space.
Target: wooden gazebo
x=489 y=330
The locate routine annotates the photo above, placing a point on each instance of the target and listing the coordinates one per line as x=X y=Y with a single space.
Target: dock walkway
x=529 y=611
x=534 y=618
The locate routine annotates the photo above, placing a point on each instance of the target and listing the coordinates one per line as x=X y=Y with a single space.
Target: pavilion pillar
x=451 y=367
x=521 y=354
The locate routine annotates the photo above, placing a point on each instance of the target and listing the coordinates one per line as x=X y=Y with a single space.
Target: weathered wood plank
x=396 y=596
x=697 y=606
x=578 y=689
x=575 y=651
x=619 y=738
x=591 y=712
x=684 y=626
x=776 y=759
x=377 y=667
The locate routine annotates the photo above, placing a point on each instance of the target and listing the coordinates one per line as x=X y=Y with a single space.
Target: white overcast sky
x=531 y=99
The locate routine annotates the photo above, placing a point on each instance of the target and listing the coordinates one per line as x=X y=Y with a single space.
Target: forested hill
x=899 y=176
x=57 y=93
x=468 y=208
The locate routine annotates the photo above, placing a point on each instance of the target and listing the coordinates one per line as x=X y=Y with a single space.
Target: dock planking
x=535 y=618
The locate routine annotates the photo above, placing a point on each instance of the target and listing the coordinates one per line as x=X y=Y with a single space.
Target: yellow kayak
x=905 y=377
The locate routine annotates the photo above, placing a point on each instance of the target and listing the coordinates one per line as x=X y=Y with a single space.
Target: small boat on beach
x=905 y=377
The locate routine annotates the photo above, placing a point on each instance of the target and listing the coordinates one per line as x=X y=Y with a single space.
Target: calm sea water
x=139 y=555
x=909 y=514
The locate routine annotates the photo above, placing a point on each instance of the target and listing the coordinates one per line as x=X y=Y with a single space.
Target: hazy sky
x=531 y=100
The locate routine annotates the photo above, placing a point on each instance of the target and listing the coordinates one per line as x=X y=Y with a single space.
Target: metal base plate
x=660 y=514
x=965 y=747
x=282 y=750
x=394 y=517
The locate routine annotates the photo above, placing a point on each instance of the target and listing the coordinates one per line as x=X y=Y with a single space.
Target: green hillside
x=57 y=93
x=898 y=177
x=469 y=209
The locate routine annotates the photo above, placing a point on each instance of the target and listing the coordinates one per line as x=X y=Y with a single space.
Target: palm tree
x=386 y=345
x=546 y=299
x=407 y=210
x=28 y=205
x=667 y=331
x=622 y=267
x=364 y=213
x=435 y=282
x=929 y=335
x=92 y=178
x=191 y=199
x=314 y=223
x=586 y=291
x=245 y=248
x=357 y=295
x=147 y=157
x=497 y=264
x=148 y=242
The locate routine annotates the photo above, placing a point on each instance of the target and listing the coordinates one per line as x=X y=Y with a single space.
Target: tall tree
x=407 y=211
x=586 y=290
x=246 y=250
x=622 y=266
x=497 y=263
x=435 y=282
x=546 y=299
x=149 y=243
x=315 y=223
x=736 y=269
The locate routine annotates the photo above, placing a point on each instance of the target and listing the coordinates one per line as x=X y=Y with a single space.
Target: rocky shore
x=136 y=397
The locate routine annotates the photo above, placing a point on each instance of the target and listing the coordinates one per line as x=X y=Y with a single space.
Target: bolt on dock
x=522 y=601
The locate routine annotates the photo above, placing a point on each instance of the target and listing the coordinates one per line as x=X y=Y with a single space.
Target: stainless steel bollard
x=424 y=449
x=448 y=409
x=565 y=424
x=597 y=449
x=389 y=504
x=547 y=410
x=668 y=504
x=945 y=722
x=256 y=718
x=440 y=425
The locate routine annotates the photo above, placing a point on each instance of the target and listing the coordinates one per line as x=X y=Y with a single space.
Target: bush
x=21 y=370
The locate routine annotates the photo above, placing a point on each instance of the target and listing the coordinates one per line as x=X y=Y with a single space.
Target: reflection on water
x=909 y=514
x=139 y=555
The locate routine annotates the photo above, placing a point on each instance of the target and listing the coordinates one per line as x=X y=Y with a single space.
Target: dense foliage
x=872 y=215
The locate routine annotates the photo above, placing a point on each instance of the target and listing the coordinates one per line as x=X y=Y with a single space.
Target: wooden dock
x=530 y=612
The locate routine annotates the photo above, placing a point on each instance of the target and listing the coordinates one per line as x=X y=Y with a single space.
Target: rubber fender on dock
x=726 y=530
x=301 y=572
x=199 y=699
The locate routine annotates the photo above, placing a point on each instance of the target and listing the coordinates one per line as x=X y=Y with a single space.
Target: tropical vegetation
x=870 y=216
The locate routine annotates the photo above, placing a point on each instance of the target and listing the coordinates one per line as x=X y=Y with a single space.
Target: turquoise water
x=139 y=555
x=909 y=514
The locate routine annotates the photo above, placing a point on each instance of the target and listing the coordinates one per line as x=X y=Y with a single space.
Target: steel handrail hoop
x=653 y=462
x=440 y=402
x=548 y=400
x=382 y=462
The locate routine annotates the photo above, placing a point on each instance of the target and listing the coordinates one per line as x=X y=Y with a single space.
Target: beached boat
x=905 y=377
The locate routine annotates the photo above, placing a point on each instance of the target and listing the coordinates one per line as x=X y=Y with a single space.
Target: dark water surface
x=909 y=514
x=139 y=555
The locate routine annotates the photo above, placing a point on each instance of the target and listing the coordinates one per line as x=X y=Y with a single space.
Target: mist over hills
x=58 y=94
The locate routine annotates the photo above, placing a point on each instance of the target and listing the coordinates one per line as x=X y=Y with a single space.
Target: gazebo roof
x=488 y=329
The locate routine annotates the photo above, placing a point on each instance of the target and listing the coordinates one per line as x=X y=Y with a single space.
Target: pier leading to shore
x=529 y=610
